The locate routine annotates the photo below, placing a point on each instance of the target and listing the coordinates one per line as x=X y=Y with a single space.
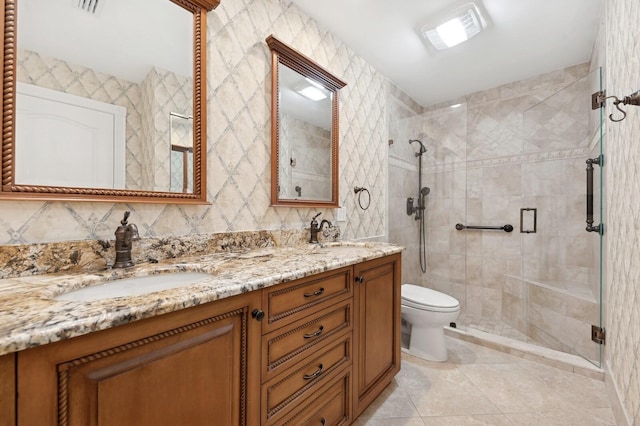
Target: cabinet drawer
x=288 y=345
x=330 y=406
x=290 y=302
x=297 y=383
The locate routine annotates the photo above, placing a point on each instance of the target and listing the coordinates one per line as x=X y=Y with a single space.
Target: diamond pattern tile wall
x=622 y=152
x=238 y=140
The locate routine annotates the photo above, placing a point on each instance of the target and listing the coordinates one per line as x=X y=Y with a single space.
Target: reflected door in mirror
x=68 y=140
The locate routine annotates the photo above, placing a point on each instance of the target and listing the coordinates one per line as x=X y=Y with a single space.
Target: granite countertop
x=30 y=316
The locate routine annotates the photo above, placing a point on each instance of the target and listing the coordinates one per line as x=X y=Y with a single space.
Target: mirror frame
x=286 y=55
x=9 y=190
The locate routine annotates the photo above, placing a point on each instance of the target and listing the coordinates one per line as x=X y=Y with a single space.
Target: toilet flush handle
x=359 y=279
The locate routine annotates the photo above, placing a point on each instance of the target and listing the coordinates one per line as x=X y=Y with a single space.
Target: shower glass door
x=559 y=295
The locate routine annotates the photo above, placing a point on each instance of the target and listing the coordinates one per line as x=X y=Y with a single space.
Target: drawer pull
x=315 y=293
x=315 y=333
x=314 y=374
x=323 y=421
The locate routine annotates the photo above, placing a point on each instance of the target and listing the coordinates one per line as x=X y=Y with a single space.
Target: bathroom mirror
x=104 y=101
x=304 y=130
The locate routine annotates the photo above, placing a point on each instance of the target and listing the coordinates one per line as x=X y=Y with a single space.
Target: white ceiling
x=524 y=38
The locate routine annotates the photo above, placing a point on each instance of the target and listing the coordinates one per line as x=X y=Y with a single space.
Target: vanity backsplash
x=95 y=255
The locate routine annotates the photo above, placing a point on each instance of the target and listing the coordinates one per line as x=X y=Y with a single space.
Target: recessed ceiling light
x=455 y=27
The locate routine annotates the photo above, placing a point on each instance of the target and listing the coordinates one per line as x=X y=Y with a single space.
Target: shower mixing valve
x=411 y=209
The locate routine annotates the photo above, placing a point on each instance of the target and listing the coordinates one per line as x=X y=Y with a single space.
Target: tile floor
x=481 y=386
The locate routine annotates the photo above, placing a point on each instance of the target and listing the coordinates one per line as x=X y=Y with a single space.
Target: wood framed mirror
x=304 y=130
x=84 y=124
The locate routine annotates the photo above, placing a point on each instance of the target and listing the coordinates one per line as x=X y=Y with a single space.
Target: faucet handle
x=314 y=218
x=123 y=222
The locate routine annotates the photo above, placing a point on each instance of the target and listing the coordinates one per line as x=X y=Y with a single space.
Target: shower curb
x=528 y=351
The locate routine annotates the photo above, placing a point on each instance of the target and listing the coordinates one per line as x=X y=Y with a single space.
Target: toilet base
x=428 y=344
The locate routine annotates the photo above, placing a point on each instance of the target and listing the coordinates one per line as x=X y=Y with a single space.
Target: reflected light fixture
x=455 y=27
x=312 y=93
x=313 y=90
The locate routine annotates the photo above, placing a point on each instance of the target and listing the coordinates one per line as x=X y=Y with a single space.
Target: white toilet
x=427 y=312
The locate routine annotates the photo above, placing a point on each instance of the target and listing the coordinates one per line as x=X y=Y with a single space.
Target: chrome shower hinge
x=598 y=334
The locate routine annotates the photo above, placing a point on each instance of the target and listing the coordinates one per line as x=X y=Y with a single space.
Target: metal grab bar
x=505 y=228
x=590 y=163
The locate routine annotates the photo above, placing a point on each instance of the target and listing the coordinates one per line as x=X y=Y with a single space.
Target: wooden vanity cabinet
x=377 y=330
x=315 y=351
x=307 y=350
x=8 y=390
x=198 y=366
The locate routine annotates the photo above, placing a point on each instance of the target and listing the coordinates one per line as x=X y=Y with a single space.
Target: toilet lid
x=417 y=297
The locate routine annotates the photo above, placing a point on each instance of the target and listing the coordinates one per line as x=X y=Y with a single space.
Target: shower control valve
x=410 y=209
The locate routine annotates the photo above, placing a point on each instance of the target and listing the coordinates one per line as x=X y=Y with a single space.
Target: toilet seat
x=427 y=299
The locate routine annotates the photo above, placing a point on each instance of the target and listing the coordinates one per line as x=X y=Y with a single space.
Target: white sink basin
x=134 y=286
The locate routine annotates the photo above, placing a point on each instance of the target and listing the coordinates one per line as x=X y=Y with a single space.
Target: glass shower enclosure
x=515 y=155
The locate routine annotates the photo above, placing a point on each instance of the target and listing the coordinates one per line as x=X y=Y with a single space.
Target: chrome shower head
x=423 y=149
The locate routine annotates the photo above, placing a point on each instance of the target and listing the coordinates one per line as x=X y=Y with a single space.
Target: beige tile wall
x=238 y=108
x=622 y=151
x=519 y=145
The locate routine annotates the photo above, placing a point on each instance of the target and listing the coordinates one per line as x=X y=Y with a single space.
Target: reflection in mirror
x=304 y=137
x=104 y=100
x=100 y=59
x=304 y=134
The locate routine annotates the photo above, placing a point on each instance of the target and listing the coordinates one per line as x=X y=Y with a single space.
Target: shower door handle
x=590 y=163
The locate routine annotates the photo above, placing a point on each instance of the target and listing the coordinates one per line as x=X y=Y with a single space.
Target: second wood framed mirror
x=304 y=130
x=90 y=97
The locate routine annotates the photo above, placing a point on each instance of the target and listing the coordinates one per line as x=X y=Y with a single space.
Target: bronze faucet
x=315 y=228
x=125 y=234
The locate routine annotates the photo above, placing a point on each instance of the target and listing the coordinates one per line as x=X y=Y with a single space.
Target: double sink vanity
x=291 y=335
x=214 y=334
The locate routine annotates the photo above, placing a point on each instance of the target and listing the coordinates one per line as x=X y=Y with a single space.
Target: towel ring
x=359 y=190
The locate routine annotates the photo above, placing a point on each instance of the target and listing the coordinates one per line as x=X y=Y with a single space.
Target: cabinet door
x=196 y=367
x=377 y=328
x=7 y=390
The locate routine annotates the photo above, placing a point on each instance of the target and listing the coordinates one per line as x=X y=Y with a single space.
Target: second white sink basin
x=134 y=286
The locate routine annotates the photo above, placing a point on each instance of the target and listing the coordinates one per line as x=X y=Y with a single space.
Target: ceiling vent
x=89 y=6
x=455 y=27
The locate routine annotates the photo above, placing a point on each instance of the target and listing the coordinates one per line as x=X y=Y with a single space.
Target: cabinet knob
x=258 y=314
x=359 y=279
x=323 y=421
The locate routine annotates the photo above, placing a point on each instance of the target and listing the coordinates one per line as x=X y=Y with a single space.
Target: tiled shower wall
x=516 y=146
x=238 y=141
x=622 y=157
